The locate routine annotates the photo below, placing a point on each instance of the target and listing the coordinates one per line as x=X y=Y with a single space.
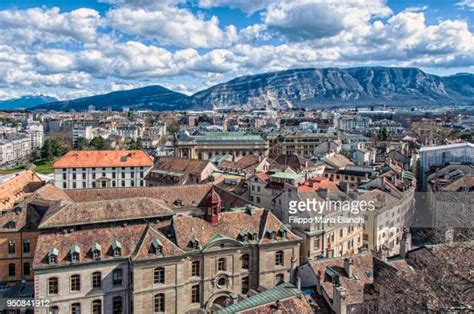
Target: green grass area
x=44 y=166
x=12 y=170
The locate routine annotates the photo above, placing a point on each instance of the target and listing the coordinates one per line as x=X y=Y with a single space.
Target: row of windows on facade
x=12 y=246
x=117 y=307
x=12 y=269
x=114 y=175
x=103 y=169
x=159 y=302
x=103 y=184
x=75 y=281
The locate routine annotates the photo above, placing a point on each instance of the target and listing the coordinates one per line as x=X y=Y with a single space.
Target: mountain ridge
x=301 y=87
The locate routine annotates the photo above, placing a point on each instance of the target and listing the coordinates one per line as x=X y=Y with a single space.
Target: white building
x=6 y=152
x=102 y=169
x=81 y=131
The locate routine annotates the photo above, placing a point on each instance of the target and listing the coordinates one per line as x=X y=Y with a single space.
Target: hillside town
x=209 y=211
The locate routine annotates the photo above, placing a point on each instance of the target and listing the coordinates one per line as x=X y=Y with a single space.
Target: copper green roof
x=280 y=292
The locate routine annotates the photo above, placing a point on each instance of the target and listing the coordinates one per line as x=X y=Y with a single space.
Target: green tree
x=98 y=143
x=135 y=144
x=81 y=144
x=53 y=148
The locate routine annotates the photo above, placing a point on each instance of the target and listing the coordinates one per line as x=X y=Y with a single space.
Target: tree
x=81 y=144
x=98 y=143
x=53 y=148
x=135 y=144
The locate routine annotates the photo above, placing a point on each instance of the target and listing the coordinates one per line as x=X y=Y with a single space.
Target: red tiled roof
x=104 y=158
x=182 y=165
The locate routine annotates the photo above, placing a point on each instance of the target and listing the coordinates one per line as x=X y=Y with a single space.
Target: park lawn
x=44 y=167
x=12 y=170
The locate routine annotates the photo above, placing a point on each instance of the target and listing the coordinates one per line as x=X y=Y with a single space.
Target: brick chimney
x=339 y=301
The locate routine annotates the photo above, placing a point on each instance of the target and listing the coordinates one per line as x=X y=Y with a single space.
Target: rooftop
x=104 y=158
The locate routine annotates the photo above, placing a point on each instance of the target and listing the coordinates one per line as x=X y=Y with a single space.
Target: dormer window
x=271 y=234
x=117 y=248
x=157 y=247
x=75 y=253
x=194 y=243
x=53 y=256
x=96 y=251
x=283 y=233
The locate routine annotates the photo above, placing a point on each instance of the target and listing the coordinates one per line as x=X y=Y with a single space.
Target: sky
x=69 y=49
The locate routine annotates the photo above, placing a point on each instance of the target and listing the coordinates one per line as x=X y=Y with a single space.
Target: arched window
x=245 y=261
x=53 y=287
x=159 y=275
x=96 y=279
x=117 y=306
x=159 y=303
x=221 y=264
x=76 y=308
x=279 y=258
x=75 y=283
x=53 y=310
x=97 y=307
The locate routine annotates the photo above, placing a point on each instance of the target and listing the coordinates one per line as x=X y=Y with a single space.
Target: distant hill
x=25 y=102
x=150 y=97
x=339 y=87
x=309 y=87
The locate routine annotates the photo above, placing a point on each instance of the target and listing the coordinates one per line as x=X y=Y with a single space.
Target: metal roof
x=280 y=292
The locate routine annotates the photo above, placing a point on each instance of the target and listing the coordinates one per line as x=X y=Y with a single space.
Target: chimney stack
x=339 y=303
x=348 y=266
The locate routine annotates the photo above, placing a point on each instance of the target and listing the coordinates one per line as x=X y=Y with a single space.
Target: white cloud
x=250 y=6
x=313 y=19
x=48 y=25
x=173 y=26
x=467 y=4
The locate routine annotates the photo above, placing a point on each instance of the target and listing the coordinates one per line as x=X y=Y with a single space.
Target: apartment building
x=302 y=144
x=102 y=169
x=81 y=131
x=205 y=259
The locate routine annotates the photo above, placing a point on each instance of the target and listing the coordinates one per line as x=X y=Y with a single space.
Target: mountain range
x=308 y=87
x=25 y=102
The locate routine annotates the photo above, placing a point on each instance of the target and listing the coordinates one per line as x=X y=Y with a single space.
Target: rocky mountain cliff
x=339 y=87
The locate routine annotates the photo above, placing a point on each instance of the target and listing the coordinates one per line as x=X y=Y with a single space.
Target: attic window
x=117 y=248
x=271 y=234
x=53 y=256
x=194 y=243
x=157 y=247
x=283 y=233
x=11 y=225
x=75 y=253
x=96 y=251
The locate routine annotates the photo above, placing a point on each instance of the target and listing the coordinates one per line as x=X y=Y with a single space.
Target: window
x=123 y=183
x=245 y=261
x=117 y=252
x=11 y=270
x=159 y=275
x=195 y=294
x=96 y=280
x=97 y=307
x=26 y=269
x=75 y=283
x=53 y=259
x=245 y=285
x=316 y=243
x=159 y=302
x=74 y=257
x=117 y=277
x=64 y=185
x=26 y=246
x=221 y=264
x=195 y=268
x=76 y=308
x=279 y=261
x=53 y=310
x=53 y=287
x=11 y=247
x=117 y=307
x=96 y=254
x=279 y=278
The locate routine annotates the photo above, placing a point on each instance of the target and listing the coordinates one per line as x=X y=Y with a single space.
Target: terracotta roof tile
x=145 y=251
x=104 y=158
x=182 y=165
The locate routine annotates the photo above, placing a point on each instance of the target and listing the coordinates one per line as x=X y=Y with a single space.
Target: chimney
x=449 y=235
x=323 y=192
x=405 y=244
x=348 y=266
x=339 y=301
